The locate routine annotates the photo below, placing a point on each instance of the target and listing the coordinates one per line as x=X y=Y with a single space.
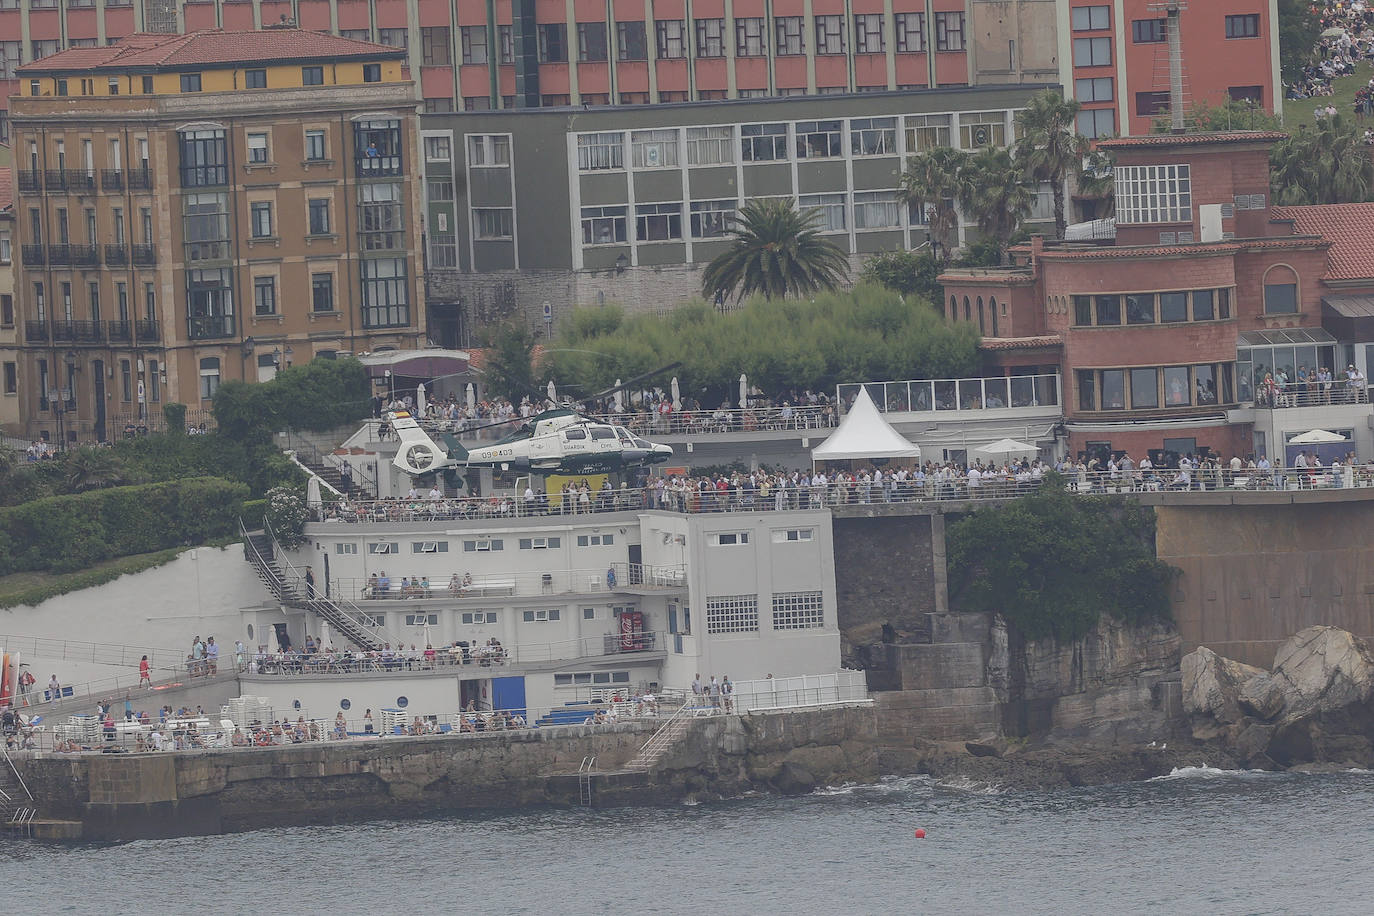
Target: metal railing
x=78 y=331
x=210 y=327
x=1314 y=394
x=935 y=395
x=461 y=585
x=462 y=654
x=116 y=254
x=144 y=255
x=98 y=653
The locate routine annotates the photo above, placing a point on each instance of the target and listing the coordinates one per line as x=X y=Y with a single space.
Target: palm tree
x=931 y=179
x=1050 y=147
x=995 y=192
x=92 y=468
x=776 y=252
x=1323 y=166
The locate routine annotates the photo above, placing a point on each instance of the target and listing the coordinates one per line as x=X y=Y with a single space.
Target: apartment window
x=383 y=547
x=873 y=136
x=11 y=377
x=1148 y=31
x=1140 y=308
x=6 y=311
x=396 y=38
x=911 y=32
x=154 y=382
x=711 y=218
x=603 y=225
x=436 y=49
x=356 y=34
x=819 y=139
x=6 y=252
x=149 y=302
x=1173 y=307
x=789 y=34
x=798 y=611
x=318 y=208
x=763 y=142
x=205 y=225
x=474 y=40
x=209 y=377
x=505 y=36
x=10 y=54
x=982 y=128
x=479 y=617
x=599 y=152
x=322 y=292
x=147 y=85
x=830 y=208
x=1108 y=310
x=1113 y=389
x=1149 y=104
x=420 y=620
x=493 y=223
x=926 y=132
x=710 y=38
x=949 y=31
x=385 y=302
x=732 y=614
x=257 y=149
x=1097 y=122
x=750 y=37
x=112 y=85
x=314 y=145
x=670 y=37
x=1089 y=18
x=44 y=47
x=312 y=76
x=1098 y=89
x=553 y=42
x=1253 y=94
x=255 y=79
x=204 y=159
x=591 y=41
x=868 y=34
x=190 y=82
x=372 y=73
x=540 y=616
x=1246 y=26
x=93 y=293
x=876 y=210
x=260 y=219
x=710 y=146
x=543 y=543
x=829 y=34
x=630 y=43
x=653 y=149
x=490 y=150
x=483 y=545
x=1153 y=194
x=1280 y=298
x=438 y=149
x=379 y=217
x=1092 y=52
x=658 y=222
x=1144 y=389
x=439 y=189
x=264 y=296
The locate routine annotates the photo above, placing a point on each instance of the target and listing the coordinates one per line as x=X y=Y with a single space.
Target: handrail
x=656 y=738
x=79 y=650
x=15 y=770
x=449 y=656
x=996 y=392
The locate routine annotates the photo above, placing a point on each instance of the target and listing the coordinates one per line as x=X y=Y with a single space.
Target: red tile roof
x=6 y=189
x=1200 y=139
x=1173 y=251
x=1020 y=343
x=1348 y=227
x=207 y=48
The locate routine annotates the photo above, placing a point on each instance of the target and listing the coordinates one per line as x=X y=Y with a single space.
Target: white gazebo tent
x=864 y=434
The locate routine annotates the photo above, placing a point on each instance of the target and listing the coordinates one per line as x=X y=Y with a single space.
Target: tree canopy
x=509 y=370
x=775 y=251
x=1327 y=165
x=866 y=333
x=1052 y=563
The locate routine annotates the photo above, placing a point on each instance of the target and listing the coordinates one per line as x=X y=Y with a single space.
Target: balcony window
x=210 y=303
x=377 y=145
x=205 y=224
x=386 y=303
x=493 y=223
x=488 y=150
x=380 y=217
x=204 y=158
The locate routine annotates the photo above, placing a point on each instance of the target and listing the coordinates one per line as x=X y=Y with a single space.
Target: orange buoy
x=920 y=834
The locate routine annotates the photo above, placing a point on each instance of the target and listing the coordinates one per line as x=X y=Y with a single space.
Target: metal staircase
x=661 y=741
x=17 y=808
x=262 y=550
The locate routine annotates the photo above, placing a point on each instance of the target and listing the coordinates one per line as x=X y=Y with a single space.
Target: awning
x=1350 y=306
x=1286 y=337
x=423 y=364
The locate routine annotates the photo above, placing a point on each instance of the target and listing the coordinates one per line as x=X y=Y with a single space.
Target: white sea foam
x=971 y=786
x=1207 y=772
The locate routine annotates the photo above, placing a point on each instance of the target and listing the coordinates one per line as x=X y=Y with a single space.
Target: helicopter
x=558 y=441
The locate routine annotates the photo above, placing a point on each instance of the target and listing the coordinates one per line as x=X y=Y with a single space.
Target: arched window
x=968 y=313
x=1281 y=290
x=982 y=322
x=992 y=305
x=953 y=309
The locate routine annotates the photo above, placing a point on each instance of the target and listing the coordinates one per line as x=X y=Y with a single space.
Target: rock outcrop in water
x=1313 y=707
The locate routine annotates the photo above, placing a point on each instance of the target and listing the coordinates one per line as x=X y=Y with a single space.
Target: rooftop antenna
x=1171 y=10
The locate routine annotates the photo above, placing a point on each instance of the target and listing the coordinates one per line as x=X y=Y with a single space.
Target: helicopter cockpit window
x=602 y=432
x=624 y=435
x=577 y=433
x=640 y=443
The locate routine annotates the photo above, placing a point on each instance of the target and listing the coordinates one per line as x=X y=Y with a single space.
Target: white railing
x=1312 y=394
x=463 y=585
x=843 y=688
x=940 y=395
x=448 y=656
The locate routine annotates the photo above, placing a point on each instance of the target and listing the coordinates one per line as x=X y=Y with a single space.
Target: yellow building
x=204 y=207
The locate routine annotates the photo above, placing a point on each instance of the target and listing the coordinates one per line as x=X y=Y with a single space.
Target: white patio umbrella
x=743 y=391
x=677 y=395
x=1006 y=447
x=472 y=396
x=1316 y=437
x=619 y=397
x=312 y=493
x=552 y=392
x=420 y=405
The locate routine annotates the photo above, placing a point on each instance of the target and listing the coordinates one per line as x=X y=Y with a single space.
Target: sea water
x=1198 y=841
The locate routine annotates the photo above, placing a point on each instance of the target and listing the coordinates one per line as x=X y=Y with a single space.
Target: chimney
x=1171 y=11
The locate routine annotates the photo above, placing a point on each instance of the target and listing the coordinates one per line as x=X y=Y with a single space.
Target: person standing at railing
x=145 y=677
x=727 y=693
x=310 y=583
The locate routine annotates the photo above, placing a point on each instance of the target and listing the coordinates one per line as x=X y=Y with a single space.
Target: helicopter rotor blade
x=635 y=381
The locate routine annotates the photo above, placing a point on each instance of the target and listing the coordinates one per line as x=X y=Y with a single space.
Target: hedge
x=67 y=533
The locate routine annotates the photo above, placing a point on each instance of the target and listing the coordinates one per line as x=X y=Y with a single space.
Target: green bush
x=253 y=512
x=174 y=415
x=66 y=533
x=320 y=395
x=1053 y=563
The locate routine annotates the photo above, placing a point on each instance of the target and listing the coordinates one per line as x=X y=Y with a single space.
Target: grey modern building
x=573 y=206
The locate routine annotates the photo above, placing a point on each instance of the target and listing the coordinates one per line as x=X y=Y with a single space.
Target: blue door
x=508 y=693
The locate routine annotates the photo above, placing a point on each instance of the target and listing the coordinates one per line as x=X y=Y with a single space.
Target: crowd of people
x=1309 y=387
x=1347 y=37
x=317 y=659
